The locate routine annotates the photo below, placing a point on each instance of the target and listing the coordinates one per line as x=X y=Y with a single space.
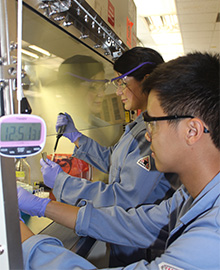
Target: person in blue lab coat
x=128 y=162
x=183 y=111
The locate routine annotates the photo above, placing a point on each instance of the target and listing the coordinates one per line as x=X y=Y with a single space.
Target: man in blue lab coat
x=182 y=121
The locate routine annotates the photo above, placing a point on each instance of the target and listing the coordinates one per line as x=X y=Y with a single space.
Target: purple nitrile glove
x=31 y=204
x=70 y=131
x=50 y=170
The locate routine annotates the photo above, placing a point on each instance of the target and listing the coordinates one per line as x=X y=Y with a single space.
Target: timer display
x=20 y=132
x=21 y=135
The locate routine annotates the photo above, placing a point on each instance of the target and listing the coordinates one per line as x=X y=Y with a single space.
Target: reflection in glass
x=81 y=80
x=51 y=88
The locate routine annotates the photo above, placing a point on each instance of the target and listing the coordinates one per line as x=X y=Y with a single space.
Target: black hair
x=79 y=65
x=134 y=57
x=190 y=85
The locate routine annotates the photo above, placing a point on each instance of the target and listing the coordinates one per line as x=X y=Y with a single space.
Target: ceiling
x=197 y=24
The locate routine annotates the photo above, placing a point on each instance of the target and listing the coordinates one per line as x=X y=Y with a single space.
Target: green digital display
x=20 y=131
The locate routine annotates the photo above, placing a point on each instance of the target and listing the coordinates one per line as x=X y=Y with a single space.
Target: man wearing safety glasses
x=183 y=127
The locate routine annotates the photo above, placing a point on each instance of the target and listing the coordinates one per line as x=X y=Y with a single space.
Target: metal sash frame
x=10 y=240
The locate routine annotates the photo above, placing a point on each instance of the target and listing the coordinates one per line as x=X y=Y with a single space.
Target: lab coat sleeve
x=93 y=153
x=44 y=252
x=196 y=249
x=70 y=189
x=137 y=227
x=126 y=186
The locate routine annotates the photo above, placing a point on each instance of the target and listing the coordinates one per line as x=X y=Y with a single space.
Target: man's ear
x=194 y=131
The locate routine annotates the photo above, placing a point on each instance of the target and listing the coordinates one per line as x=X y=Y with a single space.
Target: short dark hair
x=190 y=85
x=134 y=57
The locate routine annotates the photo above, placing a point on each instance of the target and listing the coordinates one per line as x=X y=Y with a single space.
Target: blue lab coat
x=188 y=230
x=130 y=182
x=126 y=177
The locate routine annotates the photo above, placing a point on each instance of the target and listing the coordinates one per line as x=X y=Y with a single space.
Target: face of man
x=166 y=139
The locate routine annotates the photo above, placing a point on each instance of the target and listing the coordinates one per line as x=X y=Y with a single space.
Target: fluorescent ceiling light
x=29 y=53
x=156 y=21
x=162 y=23
x=38 y=49
x=155 y=7
x=158 y=27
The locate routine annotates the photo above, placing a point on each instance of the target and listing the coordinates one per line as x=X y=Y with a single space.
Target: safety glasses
x=151 y=121
x=120 y=80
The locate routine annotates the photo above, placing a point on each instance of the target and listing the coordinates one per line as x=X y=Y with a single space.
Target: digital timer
x=21 y=135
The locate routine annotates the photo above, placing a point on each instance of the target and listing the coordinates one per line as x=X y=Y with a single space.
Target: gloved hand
x=31 y=204
x=70 y=132
x=50 y=170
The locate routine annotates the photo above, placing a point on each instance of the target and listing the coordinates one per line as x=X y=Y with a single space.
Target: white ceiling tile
x=204 y=44
x=214 y=50
x=197 y=27
x=215 y=42
x=197 y=40
x=197 y=47
x=198 y=18
x=203 y=6
x=217 y=27
x=216 y=35
x=192 y=34
x=199 y=30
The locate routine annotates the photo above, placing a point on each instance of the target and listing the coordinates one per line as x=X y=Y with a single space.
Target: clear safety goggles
x=120 y=81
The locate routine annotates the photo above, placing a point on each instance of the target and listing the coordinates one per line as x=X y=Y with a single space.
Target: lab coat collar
x=195 y=208
x=138 y=120
x=204 y=201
